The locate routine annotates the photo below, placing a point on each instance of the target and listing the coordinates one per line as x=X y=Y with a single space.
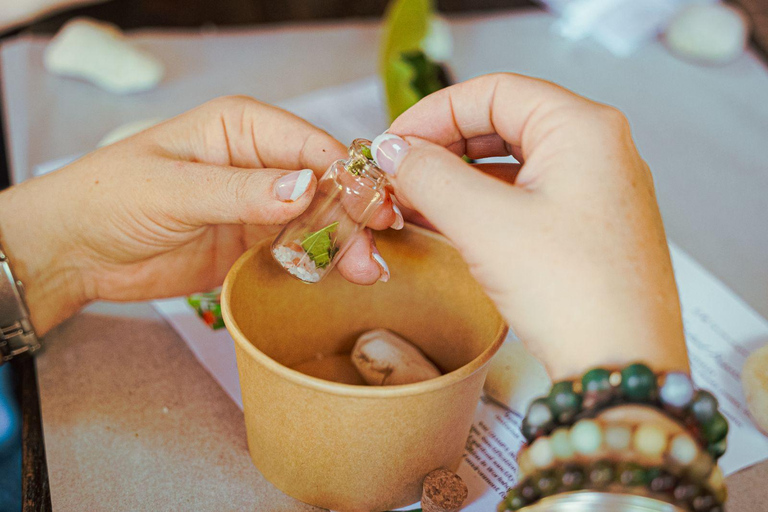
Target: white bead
x=586 y=437
x=618 y=437
x=539 y=414
x=676 y=390
x=524 y=463
x=541 y=454
x=561 y=444
x=683 y=449
x=650 y=440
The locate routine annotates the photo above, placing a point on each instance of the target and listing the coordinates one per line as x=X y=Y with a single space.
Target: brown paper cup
x=359 y=448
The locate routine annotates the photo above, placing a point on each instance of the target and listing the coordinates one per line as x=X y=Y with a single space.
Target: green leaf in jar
x=320 y=246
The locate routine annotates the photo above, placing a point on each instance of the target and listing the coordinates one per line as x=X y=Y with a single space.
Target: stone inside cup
x=431 y=300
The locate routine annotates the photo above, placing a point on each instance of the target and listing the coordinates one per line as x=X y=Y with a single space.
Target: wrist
x=41 y=258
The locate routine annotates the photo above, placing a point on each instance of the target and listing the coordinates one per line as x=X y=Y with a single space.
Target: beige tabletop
x=133 y=422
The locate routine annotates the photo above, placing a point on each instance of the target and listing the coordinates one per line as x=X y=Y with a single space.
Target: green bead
x=716 y=428
x=538 y=420
x=564 y=402
x=717 y=450
x=631 y=474
x=596 y=387
x=638 y=383
x=704 y=406
x=600 y=474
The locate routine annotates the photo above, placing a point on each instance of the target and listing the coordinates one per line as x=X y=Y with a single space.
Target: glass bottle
x=347 y=195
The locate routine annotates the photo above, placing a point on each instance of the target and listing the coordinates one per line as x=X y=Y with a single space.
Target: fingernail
x=292 y=186
x=388 y=150
x=383 y=264
x=398 y=222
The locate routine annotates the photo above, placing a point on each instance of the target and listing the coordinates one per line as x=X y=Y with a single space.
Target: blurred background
x=622 y=30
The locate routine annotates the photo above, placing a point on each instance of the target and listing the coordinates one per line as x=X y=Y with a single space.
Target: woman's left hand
x=168 y=211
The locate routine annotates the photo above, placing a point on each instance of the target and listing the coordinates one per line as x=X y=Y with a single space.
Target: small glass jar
x=347 y=196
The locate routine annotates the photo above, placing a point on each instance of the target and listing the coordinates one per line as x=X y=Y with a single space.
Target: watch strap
x=17 y=335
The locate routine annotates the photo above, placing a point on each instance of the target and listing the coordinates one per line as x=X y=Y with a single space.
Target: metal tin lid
x=590 y=501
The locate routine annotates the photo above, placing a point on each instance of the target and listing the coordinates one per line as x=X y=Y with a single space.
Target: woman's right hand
x=570 y=245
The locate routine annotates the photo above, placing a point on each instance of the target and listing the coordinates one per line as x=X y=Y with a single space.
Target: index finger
x=514 y=107
x=239 y=131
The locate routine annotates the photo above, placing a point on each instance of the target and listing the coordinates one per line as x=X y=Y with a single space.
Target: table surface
x=132 y=422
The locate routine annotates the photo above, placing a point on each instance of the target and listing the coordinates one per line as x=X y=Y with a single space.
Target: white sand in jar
x=297 y=263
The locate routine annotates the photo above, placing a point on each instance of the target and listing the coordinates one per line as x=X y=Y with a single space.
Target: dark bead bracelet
x=600 y=389
x=606 y=475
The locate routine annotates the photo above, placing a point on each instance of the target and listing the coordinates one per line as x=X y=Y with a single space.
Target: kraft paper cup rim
x=337 y=388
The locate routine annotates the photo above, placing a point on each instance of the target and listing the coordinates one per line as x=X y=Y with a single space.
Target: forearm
x=31 y=236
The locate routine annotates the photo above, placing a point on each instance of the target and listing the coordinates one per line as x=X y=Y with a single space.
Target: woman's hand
x=570 y=245
x=168 y=211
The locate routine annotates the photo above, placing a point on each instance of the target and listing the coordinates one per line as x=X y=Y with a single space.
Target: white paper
x=347 y=112
x=721 y=330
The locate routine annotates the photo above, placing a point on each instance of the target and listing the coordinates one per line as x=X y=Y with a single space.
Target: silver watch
x=17 y=336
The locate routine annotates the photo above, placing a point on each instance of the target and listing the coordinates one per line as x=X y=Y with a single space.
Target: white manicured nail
x=383 y=264
x=387 y=151
x=292 y=186
x=398 y=223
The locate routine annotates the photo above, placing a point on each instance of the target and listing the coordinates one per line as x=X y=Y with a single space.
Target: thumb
x=459 y=200
x=210 y=194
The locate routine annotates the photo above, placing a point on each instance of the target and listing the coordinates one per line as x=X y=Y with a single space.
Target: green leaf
x=319 y=245
x=406 y=25
x=366 y=151
x=427 y=76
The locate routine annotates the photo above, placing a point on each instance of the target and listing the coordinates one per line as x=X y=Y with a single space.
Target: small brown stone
x=443 y=491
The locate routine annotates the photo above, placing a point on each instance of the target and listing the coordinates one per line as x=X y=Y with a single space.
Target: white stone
x=710 y=33
x=99 y=53
x=385 y=359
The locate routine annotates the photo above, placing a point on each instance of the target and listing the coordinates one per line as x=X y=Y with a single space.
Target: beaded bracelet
x=606 y=475
x=641 y=443
x=599 y=389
